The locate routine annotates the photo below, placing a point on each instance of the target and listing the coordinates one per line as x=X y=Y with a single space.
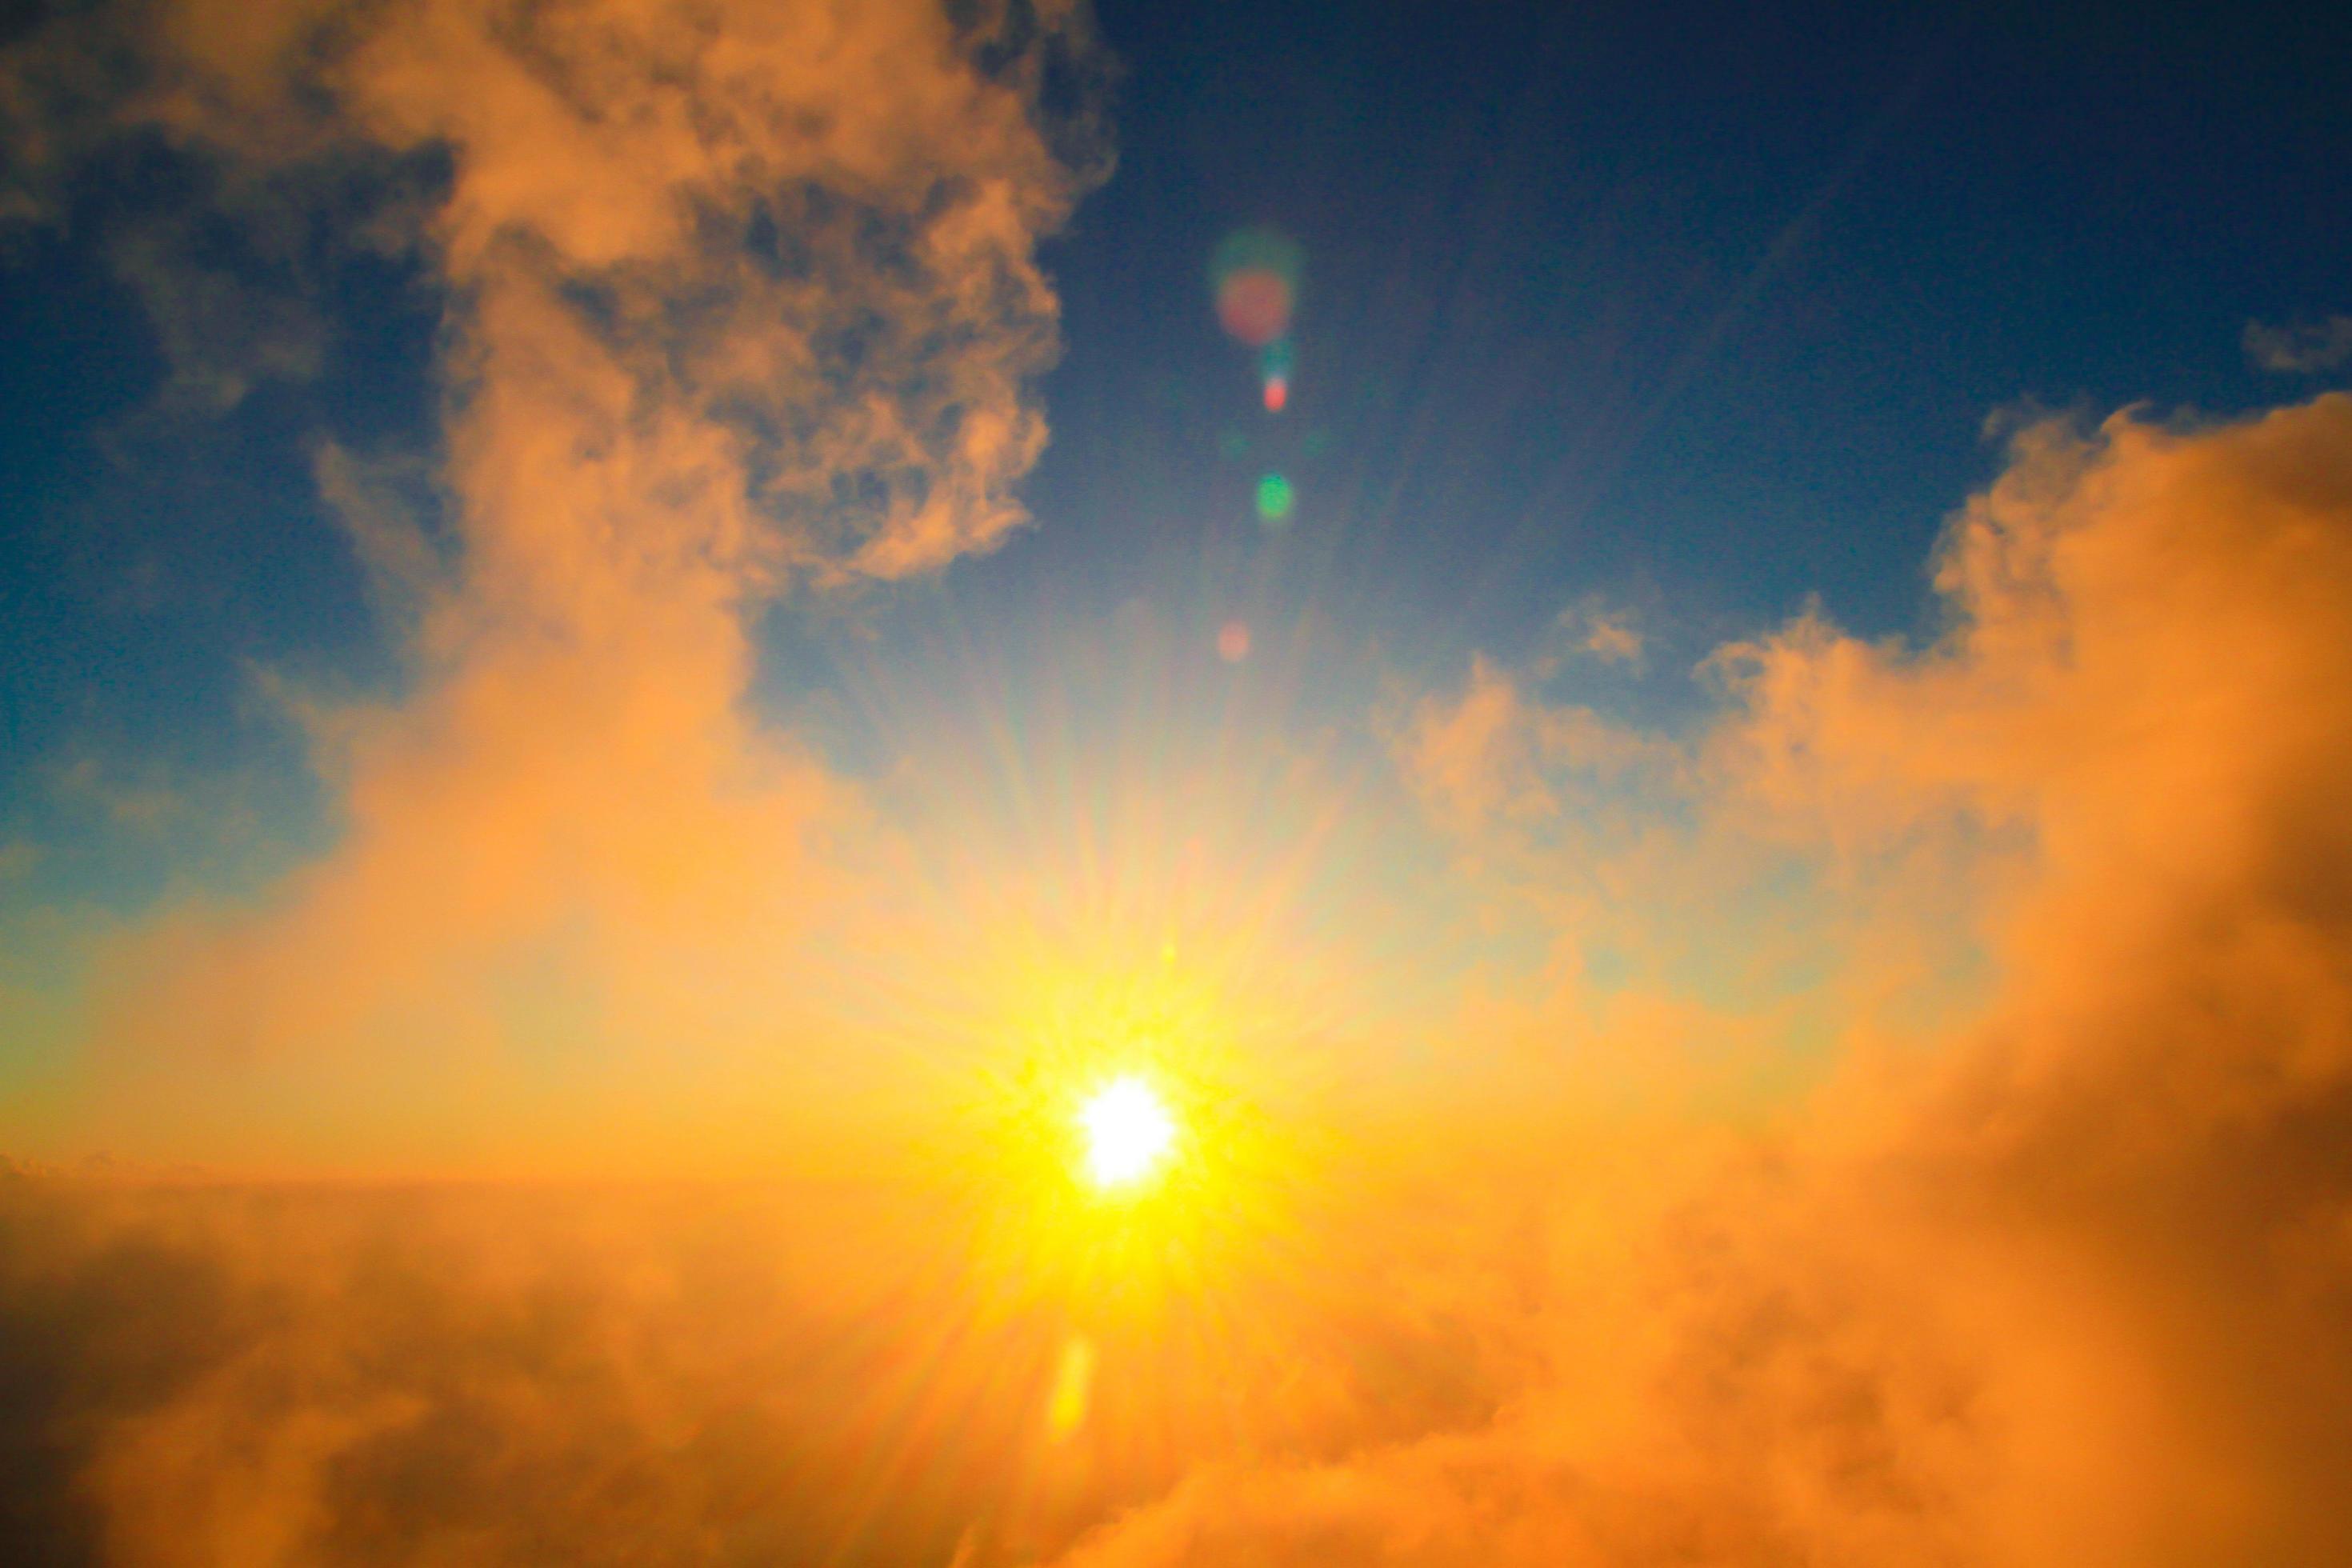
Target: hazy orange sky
x=651 y=635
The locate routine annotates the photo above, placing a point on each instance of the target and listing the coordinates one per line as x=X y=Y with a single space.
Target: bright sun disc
x=1128 y=1133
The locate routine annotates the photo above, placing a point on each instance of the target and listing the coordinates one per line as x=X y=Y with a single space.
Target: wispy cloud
x=739 y=301
x=2054 y=1280
x=2306 y=348
x=1610 y=633
x=2055 y=1290
x=1918 y=1136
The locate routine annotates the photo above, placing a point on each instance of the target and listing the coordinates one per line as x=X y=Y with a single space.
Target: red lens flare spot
x=1254 y=305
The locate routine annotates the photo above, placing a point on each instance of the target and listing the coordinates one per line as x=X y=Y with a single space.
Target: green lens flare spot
x=1274 y=497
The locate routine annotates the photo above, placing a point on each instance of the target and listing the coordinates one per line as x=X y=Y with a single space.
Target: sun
x=1128 y=1133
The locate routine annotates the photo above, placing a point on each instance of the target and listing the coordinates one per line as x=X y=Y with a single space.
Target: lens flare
x=1128 y=1133
x=1254 y=305
x=1255 y=273
x=1274 y=497
x=1273 y=364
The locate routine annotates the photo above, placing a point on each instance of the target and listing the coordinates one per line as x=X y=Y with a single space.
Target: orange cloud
x=2066 y=1287
x=1494 y=753
x=2061 y=1282
x=1611 y=636
x=740 y=300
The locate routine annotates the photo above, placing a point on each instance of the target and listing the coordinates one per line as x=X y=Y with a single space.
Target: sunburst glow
x=948 y=783
x=1128 y=1133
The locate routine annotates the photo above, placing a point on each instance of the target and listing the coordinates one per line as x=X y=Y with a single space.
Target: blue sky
x=1698 y=312
x=1656 y=312
x=645 y=645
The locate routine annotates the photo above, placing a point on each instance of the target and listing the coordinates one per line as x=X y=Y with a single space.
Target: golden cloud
x=740 y=300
